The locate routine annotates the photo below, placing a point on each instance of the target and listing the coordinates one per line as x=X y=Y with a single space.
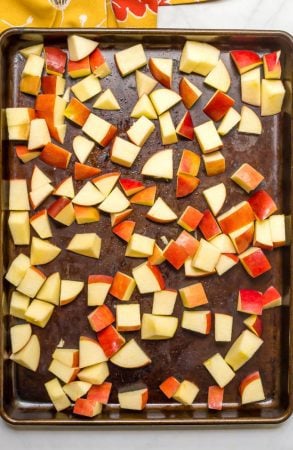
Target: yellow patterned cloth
x=82 y=13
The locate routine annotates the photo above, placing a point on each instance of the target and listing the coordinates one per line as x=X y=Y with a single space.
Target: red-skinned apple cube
x=100 y=393
x=272 y=65
x=122 y=286
x=87 y=408
x=148 y=278
x=145 y=197
x=52 y=84
x=169 y=386
x=188 y=242
x=245 y=60
x=157 y=257
x=236 y=217
x=131 y=186
x=86 y=214
x=110 y=340
x=78 y=69
x=175 y=254
x=262 y=204
x=243 y=237
x=98 y=288
x=185 y=127
x=100 y=318
x=24 y=154
x=218 y=106
x=251 y=388
x=77 y=112
x=208 y=225
x=197 y=321
x=124 y=229
x=255 y=262
x=98 y=64
x=55 y=60
x=215 y=398
x=250 y=301
x=55 y=156
x=247 y=177
x=189 y=92
x=190 y=218
x=189 y=163
x=271 y=298
x=62 y=211
x=186 y=184
x=119 y=217
x=83 y=171
x=193 y=295
x=254 y=324
x=161 y=69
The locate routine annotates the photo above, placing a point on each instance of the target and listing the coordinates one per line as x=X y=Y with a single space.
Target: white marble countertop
x=249 y=14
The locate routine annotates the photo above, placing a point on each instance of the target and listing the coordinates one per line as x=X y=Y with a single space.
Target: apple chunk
x=223 y=327
x=243 y=349
x=148 y=278
x=245 y=60
x=251 y=389
x=215 y=196
x=50 y=291
x=87 y=408
x=39 y=313
x=159 y=165
x=29 y=355
x=19 y=227
x=186 y=392
x=164 y=99
x=272 y=65
x=249 y=122
x=140 y=131
x=115 y=202
x=17 y=269
x=272 y=96
x=160 y=212
x=193 y=295
x=19 y=336
x=86 y=244
x=189 y=92
x=255 y=262
x=98 y=288
x=215 y=398
x=247 y=177
x=164 y=302
x=63 y=372
x=250 y=87
x=79 y=47
x=95 y=373
x=69 y=290
x=122 y=286
x=57 y=395
x=130 y=59
x=90 y=352
x=250 y=301
x=42 y=251
x=198 y=57
x=131 y=356
x=68 y=356
x=208 y=137
x=123 y=152
x=169 y=386
x=161 y=69
x=99 y=130
x=100 y=318
x=144 y=83
x=158 y=327
x=133 y=397
x=128 y=317
x=219 y=77
x=197 y=321
x=76 y=389
x=229 y=121
x=219 y=370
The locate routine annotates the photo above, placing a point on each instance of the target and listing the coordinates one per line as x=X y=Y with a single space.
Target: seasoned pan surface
x=24 y=399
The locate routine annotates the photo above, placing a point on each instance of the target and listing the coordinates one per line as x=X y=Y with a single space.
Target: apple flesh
x=189 y=163
x=219 y=77
x=206 y=256
x=175 y=254
x=99 y=130
x=157 y=257
x=83 y=171
x=34 y=49
x=272 y=65
x=250 y=122
x=254 y=324
x=145 y=197
x=77 y=113
x=69 y=290
x=124 y=230
x=124 y=152
x=57 y=395
x=131 y=356
x=99 y=65
x=236 y=217
x=100 y=393
x=130 y=59
x=78 y=69
x=186 y=392
x=42 y=251
x=62 y=211
x=86 y=244
x=190 y=218
x=242 y=238
x=193 y=295
x=158 y=327
x=189 y=92
x=122 y=286
x=209 y=226
x=87 y=408
x=24 y=154
x=50 y=291
x=115 y=202
x=161 y=69
x=168 y=131
x=214 y=163
x=251 y=389
x=250 y=87
x=245 y=60
x=215 y=197
x=19 y=227
x=86 y=214
x=223 y=243
x=223 y=327
x=39 y=134
x=219 y=370
x=65 y=188
x=17 y=269
x=197 y=321
x=215 y=398
x=128 y=317
x=188 y=242
x=250 y=301
x=18 y=195
x=226 y=262
x=272 y=97
x=198 y=57
x=160 y=212
x=208 y=137
x=164 y=302
x=18 y=305
x=230 y=120
x=131 y=186
x=31 y=282
x=63 y=372
x=144 y=107
x=80 y=47
x=105 y=183
x=159 y=165
x=107 y=101
x=100 y=318
x=144 y=83
x=68 y=356
x=140 y=131
x=90 y=352
x=243 y=348
x=29 y=355
x=39 y=313
x=88 y=195
x=98 y=288
x=169 y=386
x=140 y=246
x=247 y=177
x=262 y=235
x=133 y=398
x=148 y=278
x=278 y=230
x=20 y=336
x=164 y=99
x=55 y=156
x=76 y=389
x=53 y=84
x=95 y=373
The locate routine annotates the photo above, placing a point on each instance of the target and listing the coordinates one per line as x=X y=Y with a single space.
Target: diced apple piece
x=77 y=113
x=186 y=392
x=185 y=127
x=169 y=386
x=107 y=101
x=133 y=397
x=145 y=197
x=122 y=286
x=100 y=393
x=243 y=349
x=245 y=60
x=69 y=290
x=250 y=301
x=39 y=134
x=63 y=372
x=242 y=237
x=143 y=107
x=158 y=327
x=62 y=211
x=206 y=257
x=157 y=257
x=144 y=83
x=218 y=106
x=271 y=298
x=18 y=195
x=78 y=69
x=42 y=251
x=131 y=186
x=164 y=99
x=40 y=194
x=262 y=204
x=272 y=96
x=189 y=92
x=193 y=295
x=223 y=327
x=87 y=408
x=207 y=137
x=32 y=49
x=236 y=217
x=90 y=352
x=38 y=178
x=148 y=278
x=223 y=243
x=100 y=318
x=226 y=262
x=190 y=218
x=86 y=214
x=24 y=154
x=29 y=355
x=186 y=184
x=272 y=65
x=68 y=356
x=262 y=235
x=189 y=163
x=175 y=254
x=94 y=374
x=65 y=188
x=39 y=313
x=53 y=84
x=31 y=282
x=128 y=317
x=215 y=197
x=86 y=88
x=254 y=262
x=99 y=65
x=130 y=59
x=110 y=340
x=219 y=77
x=99 y=130
x=214 y=163
x=19 y=116
x=89 y=195
x=115 y=202
x=141 y=244
x=254 y=324
x=247 y=177
x=197 y=321
x=55 y=156
x=229 y=121
x=105 y=183
x=251 y=389
x=278 y=229
x=57 y=395
x=250 y=87
x=168 y=132
x=209 y=226
x=18 y=305
x=80 y=47
x=249 y=123
x=76 y=389
x=198 y=57
x=20 y=336
x=17 y=269
x=215 y=398
x=55 y=60
x=159 y=165
x=98 y=288
x=86 y=244
x=161 y=69
x=164 y=302
x=82 y=148
x=123 y=152
x=19 y=132
x=130 y=356
x=33 y=66
x=160 y=212
x=219 y=370
x=188 y=242
x=83 y=171
x=50 y=291
x=19 y=227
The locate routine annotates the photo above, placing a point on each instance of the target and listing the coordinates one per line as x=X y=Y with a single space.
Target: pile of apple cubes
x=246 y=229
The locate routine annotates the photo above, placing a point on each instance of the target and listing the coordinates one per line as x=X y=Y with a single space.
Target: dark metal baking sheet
x=23 y=397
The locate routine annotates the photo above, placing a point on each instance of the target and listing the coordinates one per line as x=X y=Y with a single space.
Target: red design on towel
x=137 y=7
